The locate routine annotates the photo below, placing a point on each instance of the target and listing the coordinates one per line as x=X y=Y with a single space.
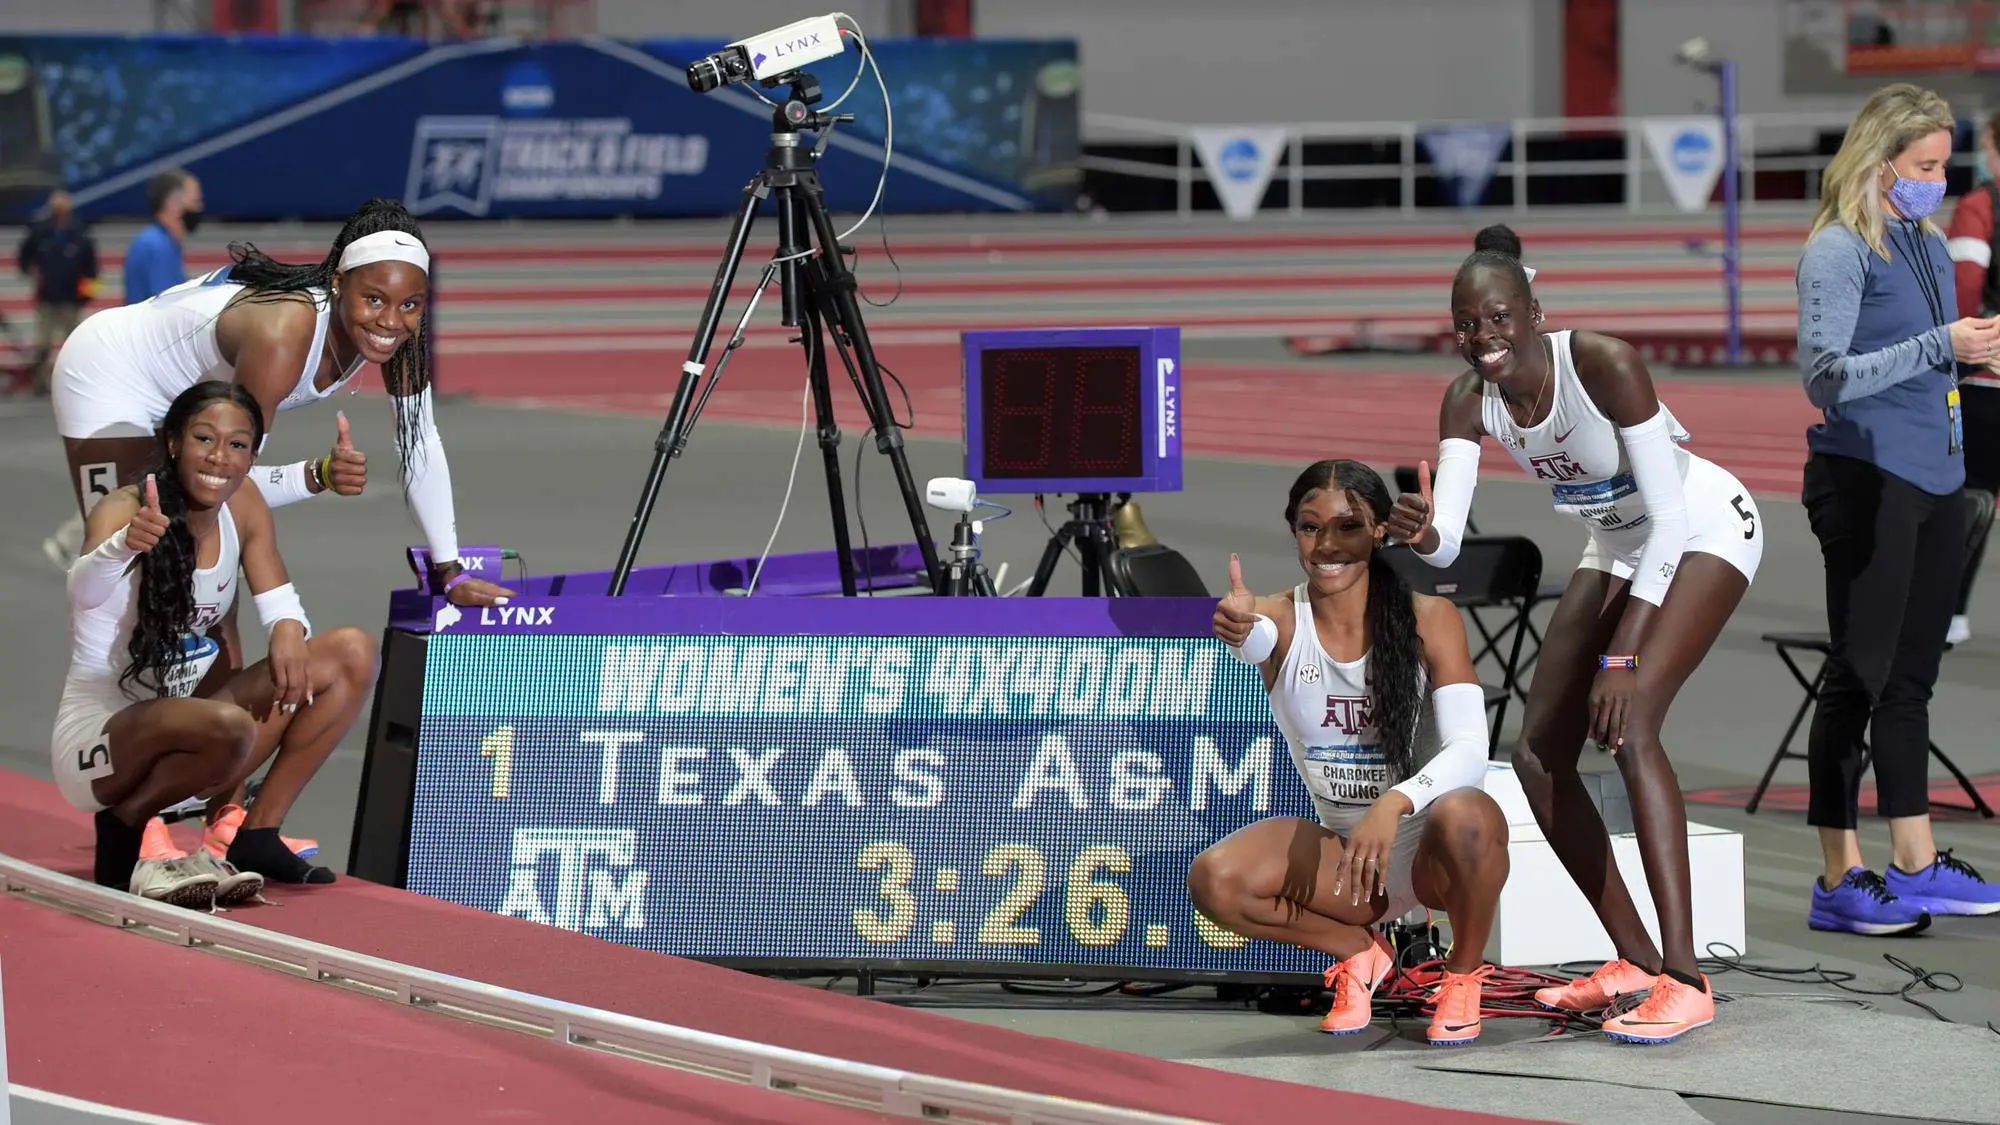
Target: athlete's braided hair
x=164 y=601
x=1395 y=651
x=411 y=369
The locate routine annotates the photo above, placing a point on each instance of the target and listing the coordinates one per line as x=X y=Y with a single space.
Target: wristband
x=281 y=604
x=1258 y=646
x=461 y=576
x=323 y=469
x=1608 y=661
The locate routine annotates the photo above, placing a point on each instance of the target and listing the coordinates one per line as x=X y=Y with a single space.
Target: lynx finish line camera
x=770 y=56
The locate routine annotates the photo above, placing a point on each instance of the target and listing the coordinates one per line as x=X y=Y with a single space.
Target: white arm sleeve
x=427 y=482
x=283 y=484
x=97 y=575
x=1649 y=446
x=1258 y=645
x=1460 y=762
x=1451 y=493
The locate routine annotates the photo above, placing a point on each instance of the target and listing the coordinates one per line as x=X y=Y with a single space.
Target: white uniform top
x=129 y=363
x=1323 y=707
x=1577 y=452
x=100 y=636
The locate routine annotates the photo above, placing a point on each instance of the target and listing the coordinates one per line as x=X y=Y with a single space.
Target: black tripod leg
x=671 y=436
x=793 y=239
x=1046 y=569
x=834 y=285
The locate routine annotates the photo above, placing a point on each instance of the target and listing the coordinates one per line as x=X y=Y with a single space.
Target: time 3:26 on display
x=1096 y=908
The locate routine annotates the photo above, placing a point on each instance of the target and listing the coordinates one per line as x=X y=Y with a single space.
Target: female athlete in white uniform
x=1673 y=543
x=291 y=335
x=142 y=725
x=1373 y=688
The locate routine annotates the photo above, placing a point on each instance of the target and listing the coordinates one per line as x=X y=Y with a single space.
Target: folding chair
x=1981 y=502
x=1155 y=571
x=1491 y=639
x=1491 y=572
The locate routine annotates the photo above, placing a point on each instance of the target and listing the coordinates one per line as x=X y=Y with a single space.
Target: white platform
x=1544 y=919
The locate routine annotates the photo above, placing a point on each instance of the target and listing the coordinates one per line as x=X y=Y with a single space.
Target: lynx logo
x=471 y=163
x=1170 y=407
x=1349 y=714
x=589 y=893
x=518 y=616
x=1557 y=466
x=447 y=616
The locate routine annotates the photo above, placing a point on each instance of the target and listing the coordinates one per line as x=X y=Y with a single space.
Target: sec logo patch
x=1309 y=674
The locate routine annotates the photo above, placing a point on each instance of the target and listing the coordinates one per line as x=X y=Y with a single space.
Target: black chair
x=1155 y=571
x=1491 y=639
x=1981 y=504
x=1491 y=572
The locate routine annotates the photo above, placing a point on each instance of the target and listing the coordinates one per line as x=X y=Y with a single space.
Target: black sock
x=1691 y=980
x=262 y=851
x=117 y=851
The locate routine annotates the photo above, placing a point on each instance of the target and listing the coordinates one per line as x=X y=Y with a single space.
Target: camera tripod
x=965 y=575
x=817 y=294
x=1089 y=530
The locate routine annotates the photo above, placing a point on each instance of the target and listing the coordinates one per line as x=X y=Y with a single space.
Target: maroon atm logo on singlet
x=1349 y=714
x=1558 y=466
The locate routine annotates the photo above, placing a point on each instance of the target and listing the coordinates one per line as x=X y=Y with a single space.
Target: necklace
x=1547 y=385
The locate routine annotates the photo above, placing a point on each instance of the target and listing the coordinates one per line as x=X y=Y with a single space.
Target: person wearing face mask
x=153 y=261
x=1970 y=239
x=1879 y=339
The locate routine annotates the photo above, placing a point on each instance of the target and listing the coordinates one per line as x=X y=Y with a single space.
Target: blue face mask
x=1916 y=199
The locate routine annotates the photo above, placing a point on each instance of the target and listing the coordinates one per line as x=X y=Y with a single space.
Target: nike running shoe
x=1459 y=1000
x=1948 y=886
x=1670 y=1010
x=172 y=882
x=1353 y=982
x=1864 y=904
x=1598 y=990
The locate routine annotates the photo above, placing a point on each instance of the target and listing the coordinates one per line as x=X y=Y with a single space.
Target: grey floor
x=560 y=487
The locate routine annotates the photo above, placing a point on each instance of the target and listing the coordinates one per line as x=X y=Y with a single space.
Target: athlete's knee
x=1467 y=828
x=1218 y=878
x=354 y=653
x=1535 y=760
x=227 y=735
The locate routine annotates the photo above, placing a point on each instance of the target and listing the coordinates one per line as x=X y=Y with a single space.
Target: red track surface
x=1282 y=413
x=105 y=1015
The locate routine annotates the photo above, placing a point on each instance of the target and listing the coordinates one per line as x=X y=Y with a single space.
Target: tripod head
x=795 y=114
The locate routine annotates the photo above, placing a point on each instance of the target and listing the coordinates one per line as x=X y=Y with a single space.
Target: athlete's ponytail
x=163 y=605
x=408 y=371
x=1395 y=651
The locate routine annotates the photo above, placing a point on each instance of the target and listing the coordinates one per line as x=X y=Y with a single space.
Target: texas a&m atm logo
x=1349 y=714
x=1558 y=466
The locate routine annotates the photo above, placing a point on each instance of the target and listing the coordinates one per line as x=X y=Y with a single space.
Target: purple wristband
x=461 y=576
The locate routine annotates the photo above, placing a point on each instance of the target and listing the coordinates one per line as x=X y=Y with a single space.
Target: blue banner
x=1465 y=156
x=308 y=128
x=1022 y=802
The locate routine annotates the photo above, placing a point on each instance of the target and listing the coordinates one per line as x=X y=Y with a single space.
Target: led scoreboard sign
x=977 y=785
x=1073 y=410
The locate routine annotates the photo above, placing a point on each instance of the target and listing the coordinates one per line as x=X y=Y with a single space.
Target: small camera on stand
x=965 y=575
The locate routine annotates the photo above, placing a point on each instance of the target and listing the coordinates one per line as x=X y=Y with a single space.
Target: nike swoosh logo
x=1459 y=1027
x=1564 y=436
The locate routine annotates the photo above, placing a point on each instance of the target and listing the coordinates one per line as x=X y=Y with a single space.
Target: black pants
x=1894 y=554
x=1982 y=465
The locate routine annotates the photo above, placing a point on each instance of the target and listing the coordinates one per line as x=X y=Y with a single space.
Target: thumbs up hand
x=345 y=469
x=1236 y=613
x=1410 y=519
x=149 y=524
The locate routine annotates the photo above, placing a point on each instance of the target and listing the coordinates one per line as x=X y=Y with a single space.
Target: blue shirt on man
x=152 y=264
x=1875 y=352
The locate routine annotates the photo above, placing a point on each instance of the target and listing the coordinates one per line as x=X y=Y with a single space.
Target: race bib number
x=197 y=657
x=1350 y=774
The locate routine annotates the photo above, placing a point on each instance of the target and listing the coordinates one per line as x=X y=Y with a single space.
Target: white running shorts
x=1723 y=520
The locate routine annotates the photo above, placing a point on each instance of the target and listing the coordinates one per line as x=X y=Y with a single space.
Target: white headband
x=385 y=246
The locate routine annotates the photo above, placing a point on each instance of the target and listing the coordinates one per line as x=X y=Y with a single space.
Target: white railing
x=1639 y=172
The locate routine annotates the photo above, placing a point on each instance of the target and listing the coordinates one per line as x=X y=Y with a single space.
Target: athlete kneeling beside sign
x=1373 y=687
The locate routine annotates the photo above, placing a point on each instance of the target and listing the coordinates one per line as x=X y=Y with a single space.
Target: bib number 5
x=1749 y=519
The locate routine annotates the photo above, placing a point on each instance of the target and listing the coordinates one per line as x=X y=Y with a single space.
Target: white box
x=1545 y=920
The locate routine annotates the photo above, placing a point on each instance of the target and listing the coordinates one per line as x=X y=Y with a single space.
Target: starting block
x=1544 y=920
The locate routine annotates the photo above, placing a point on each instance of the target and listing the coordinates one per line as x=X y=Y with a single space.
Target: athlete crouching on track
x=142 y=724
x=1373 y=687
x=1673 y=541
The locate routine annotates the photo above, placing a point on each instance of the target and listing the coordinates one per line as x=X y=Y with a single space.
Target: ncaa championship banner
x=280 y=127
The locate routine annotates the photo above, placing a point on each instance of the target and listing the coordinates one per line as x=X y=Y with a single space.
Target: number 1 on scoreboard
x=500 y=747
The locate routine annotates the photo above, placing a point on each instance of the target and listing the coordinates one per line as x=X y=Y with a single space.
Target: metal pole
x=1732 y=277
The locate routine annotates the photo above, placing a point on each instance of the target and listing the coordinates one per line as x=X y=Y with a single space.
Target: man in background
x=1970 y=240
x=153 y=261
x=60 y=257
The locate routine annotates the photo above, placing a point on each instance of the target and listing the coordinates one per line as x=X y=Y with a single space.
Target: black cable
x=882 y=222
x=1715 y=965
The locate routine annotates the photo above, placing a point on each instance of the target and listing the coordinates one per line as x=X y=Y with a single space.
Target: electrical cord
x=791 y=482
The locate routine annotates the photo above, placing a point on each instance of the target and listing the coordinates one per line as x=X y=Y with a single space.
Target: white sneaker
x=232 y=886
x=171 y=881
x=1960 y=631
x=66 y=544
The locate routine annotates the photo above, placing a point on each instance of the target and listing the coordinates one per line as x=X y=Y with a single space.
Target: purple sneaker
x=1948 y=886
x=1863 y=904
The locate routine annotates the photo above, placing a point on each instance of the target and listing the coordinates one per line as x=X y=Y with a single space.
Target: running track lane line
x=115 y=1018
